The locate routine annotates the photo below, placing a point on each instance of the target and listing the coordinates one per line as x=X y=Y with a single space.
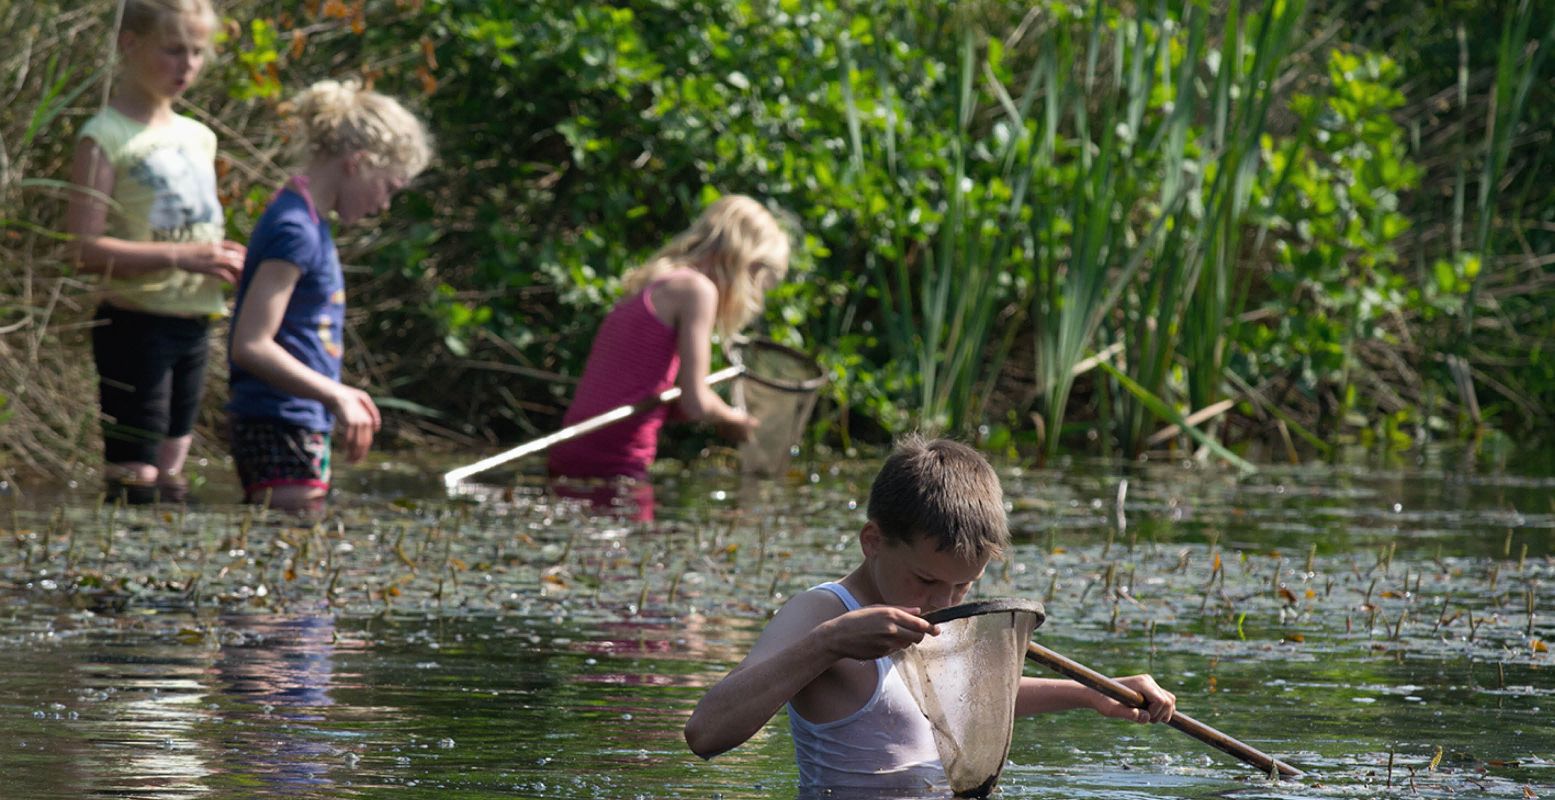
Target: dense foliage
x=1309 y=222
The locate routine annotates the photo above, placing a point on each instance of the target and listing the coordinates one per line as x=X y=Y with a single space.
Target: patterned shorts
x=270 y=454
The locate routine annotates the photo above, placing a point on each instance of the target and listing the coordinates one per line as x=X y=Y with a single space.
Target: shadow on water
x=1384 y=627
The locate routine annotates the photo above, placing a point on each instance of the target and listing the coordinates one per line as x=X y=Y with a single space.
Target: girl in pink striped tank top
x=711 y=277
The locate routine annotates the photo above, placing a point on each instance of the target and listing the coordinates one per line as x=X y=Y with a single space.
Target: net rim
x=806 y=385
x=990 y=606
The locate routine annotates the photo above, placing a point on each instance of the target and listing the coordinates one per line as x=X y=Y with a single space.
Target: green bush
x=987 y=192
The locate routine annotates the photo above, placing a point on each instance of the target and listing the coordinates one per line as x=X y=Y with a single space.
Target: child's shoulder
x=685 y=280
x=288 y=209
x=195 y=129
x=798 y=618
x=108 y=128
x=113 y=129
x=816 y=604
x=681 y=289
x=290 y=224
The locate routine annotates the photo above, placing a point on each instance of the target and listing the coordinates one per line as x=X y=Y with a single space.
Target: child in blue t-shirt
x=287 y=331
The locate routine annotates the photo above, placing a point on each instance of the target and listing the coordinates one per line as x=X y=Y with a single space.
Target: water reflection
x=148 y=729
x=561 y=653
x=280 y=670
x=852 y=793
x=625 y=499
x=172 y=707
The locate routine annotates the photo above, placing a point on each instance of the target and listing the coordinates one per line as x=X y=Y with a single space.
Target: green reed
x=1140 y=188
x=1183 y=309
x=946 y=303
x=1517 y=66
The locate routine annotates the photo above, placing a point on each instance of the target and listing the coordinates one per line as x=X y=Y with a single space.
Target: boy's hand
x=1161 y=703
x=357 y=415
x=873 y=632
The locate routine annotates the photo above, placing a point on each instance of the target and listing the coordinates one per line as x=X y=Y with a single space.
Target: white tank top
x=887 y=743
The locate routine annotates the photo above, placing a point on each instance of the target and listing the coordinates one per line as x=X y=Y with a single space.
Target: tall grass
x=1186 y=310
x=1498 y=342
x=1157 y=203
x=1084 y=266
x=946 y=295
x=54 y=66
x=1518 y=63
x=1105 y=176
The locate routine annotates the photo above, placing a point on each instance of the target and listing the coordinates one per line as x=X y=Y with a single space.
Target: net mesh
x=965 y=681
x=779 y=388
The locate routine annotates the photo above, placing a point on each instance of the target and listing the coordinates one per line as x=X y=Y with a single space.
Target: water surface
x=1370 y=624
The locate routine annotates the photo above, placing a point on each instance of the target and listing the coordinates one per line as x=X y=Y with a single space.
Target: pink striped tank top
x=634 y=356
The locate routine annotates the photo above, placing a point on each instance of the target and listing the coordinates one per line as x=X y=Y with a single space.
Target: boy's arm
x=255 y=349
x=1044 y=695
x=87 y=217
x=804 y=640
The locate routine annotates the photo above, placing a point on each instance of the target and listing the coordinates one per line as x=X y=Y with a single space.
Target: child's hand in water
x=874 y=632
x=740 y=429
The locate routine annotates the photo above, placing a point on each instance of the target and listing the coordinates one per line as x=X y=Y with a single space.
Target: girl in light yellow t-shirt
x=146 y=218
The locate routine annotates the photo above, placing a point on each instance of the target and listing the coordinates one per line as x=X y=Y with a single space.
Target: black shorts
x=150 y=371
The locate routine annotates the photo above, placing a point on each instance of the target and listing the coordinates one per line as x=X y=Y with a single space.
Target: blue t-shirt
x=312 y=327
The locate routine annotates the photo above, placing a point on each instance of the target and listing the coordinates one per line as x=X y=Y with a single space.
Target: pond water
x=1381 y=626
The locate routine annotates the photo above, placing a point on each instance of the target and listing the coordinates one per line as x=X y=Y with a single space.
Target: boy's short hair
x=944 y=490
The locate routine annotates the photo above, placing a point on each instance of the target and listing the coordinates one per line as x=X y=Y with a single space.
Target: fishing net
x=965 y=681
x=779 y=388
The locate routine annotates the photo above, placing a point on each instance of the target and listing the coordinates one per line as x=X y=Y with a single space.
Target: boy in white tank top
x=936 y=518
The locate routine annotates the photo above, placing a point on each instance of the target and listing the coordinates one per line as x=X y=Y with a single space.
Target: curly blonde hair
x=333 y=118
x=731 y=236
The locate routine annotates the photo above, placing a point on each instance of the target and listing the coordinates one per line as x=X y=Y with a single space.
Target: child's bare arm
x=694 y=304
x=87 y=217
x=801 y=643
x=255 y=349
x=1043 y=695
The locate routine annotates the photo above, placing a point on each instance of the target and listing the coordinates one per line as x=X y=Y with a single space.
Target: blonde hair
x=730 y=235
x=146 y=17
x=334 y=118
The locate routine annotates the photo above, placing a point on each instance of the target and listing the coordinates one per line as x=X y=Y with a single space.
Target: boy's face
x=916 y=573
